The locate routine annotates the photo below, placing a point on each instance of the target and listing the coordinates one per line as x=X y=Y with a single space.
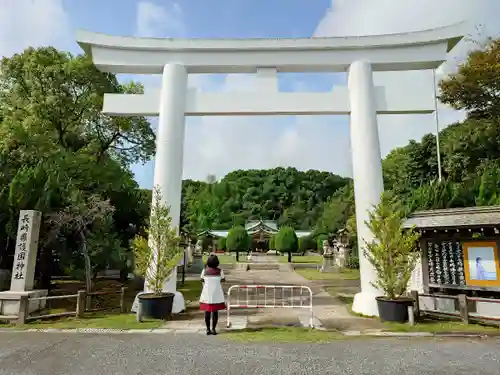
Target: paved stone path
x=180 y=354
x=329 y=311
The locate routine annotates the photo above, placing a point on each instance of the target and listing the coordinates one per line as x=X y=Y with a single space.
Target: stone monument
x=328 y=258
x=23 y=269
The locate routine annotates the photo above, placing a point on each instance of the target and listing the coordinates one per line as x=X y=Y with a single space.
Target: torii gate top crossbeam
x=393 y=52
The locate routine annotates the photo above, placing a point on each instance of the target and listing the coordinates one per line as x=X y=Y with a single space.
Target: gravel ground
x=57 y=353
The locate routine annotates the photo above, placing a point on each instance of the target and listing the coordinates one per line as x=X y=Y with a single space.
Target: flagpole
x=436 y=115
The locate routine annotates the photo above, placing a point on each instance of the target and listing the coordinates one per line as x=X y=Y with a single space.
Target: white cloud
x=158 y=20
x=356 y=17
x=25 y=23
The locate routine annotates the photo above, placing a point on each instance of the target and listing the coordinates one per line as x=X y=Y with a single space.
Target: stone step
x=257 y=266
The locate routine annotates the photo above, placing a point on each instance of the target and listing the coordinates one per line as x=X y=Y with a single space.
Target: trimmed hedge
x=287 y=242
x=238 y=240
x=306 y=243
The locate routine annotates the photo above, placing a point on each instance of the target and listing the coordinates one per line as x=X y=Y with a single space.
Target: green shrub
x=238 y=240
x=221 y=243
x=352 y=262
x=287 y=242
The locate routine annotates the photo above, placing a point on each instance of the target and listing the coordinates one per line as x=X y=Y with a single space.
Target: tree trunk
x=289 y=257
x=124 y=274
x=237 y=256
x=88 y=268
x=45 y=267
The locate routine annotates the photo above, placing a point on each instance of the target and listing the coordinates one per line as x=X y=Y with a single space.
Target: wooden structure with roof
x=447 y=235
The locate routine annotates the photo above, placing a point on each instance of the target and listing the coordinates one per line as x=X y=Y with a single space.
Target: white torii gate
x=359 y=56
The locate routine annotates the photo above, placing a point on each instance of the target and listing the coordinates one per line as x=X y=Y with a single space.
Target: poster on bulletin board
x=481 y=264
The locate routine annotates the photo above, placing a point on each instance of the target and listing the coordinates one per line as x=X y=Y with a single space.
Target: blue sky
x=218 y=145
x=206 y=19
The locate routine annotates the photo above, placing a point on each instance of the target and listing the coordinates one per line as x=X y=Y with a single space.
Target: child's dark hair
x=213 y=261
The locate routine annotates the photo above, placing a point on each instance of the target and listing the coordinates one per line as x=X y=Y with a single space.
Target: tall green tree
x=238 y=240
x=287 y=242
x=475 y=86
x=55 y=144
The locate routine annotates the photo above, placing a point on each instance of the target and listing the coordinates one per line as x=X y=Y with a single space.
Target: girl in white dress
x=212 y=296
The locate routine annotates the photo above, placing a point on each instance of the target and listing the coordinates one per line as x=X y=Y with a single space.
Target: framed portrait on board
x=481 y=264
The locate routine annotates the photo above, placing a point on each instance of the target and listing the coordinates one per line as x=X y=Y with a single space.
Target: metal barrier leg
x=311 y=323
x=228 y=317
x=228 y=325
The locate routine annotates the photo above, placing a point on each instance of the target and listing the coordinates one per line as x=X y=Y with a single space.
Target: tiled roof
x=302 y=233
x=267 y=223
x=455 y=218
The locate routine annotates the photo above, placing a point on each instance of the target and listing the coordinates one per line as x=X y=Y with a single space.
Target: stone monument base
x=328 y=264
x=10 y=301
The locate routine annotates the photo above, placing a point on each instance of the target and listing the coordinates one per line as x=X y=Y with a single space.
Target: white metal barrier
x=257 y=297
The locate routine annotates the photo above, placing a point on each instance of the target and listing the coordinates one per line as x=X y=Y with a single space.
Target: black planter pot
x=393 y=310
x=156 y=306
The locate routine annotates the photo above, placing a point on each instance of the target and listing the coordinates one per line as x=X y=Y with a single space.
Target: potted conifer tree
x=155 y=259
x=394 y=254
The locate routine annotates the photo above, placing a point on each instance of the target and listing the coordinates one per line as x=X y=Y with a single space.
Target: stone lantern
x=343 y=250
x=328 y=258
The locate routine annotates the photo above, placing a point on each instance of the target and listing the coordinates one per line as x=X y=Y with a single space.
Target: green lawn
x=228 y=258
x=437 y=326
x=310 y=259
x=283 y=334
x=343 y=274
x=94 y=320
x=191 y=290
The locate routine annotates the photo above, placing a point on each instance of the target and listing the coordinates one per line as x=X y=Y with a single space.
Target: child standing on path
x=212 y=296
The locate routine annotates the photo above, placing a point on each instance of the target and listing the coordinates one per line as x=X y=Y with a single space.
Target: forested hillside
x=286 y=195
